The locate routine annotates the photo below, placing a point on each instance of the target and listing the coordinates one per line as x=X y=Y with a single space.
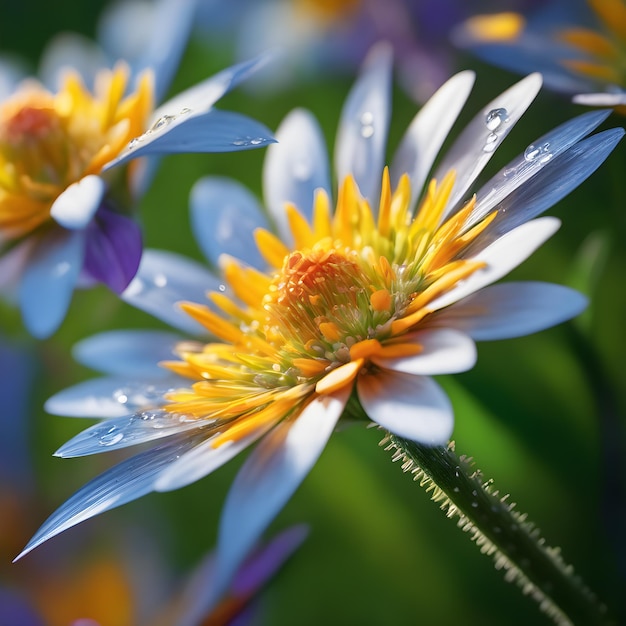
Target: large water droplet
x=495 y=117
x=111 y=437
x=121 y=395
x=541 y=152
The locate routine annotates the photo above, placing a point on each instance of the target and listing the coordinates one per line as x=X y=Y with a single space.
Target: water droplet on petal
x=491 y=142
x=133 y=142
x=542 y=152
x=111 y=437
x=121 y=395
x=184 y=111
x=222 y=287
x=163 y=121
x=160 y=280
x=256 y=141
x=367 y=124
x=239 y=142
x=495 y=117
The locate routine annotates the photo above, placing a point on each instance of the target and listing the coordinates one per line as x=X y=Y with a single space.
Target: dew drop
x=184 y=111
x=222 y=288
x=160 y=280
x=475 y=504
x=239 y=142
x=256 y=141
x=121 y=395
x=163 y=121
x=111 y=437
x=534 y=152
x=491 y=142
x=495 y=117
x=367 y=124
x=133 y=142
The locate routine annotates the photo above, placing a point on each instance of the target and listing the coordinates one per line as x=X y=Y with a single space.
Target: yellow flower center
x=49 y=141
x=354 y=288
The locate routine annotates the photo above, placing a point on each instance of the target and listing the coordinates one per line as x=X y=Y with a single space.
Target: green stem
x=500 y=531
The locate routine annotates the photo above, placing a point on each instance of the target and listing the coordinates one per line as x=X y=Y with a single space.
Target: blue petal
x=113 y=249
x=163 y=280
x=512 y=309
x=127 y=352
x=224 y=215
x=537 y=155
x=111 y=396
x=123 y=483
x=295 y=167
x=49 y=280
x=125 y=431
x=213 y=131
x=148 y=35
x=268 y=478
x=362 y=134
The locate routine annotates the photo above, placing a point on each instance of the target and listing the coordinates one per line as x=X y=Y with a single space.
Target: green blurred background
x=541 y=415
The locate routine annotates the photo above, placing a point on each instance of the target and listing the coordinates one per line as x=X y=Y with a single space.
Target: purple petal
x=17 y=611
x=113 y=250
x=49 y=280
x=410 y=406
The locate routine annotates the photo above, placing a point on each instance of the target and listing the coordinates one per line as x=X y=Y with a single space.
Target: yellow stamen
x=330 y=330
x=339 y=377
x=500 y=27
x=381 y=300
x=365 y=349
x=271 y=247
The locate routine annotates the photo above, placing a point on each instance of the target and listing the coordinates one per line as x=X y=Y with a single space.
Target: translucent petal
x=295 y=167
x=512 y=310
x=409 y=406
x=500 y=258
x=600 y=99
x=165 y=278
x=49 y=280
x=111 y=396
x=477 y=143
x=210 y=131
x=428 y=130
x=123 y=483
x=203 y=460
x=13 y=262
x=127 y=352
x=128 y=430
x=362 y=133
x=537 y=156
x=445 y=351
x=268 y=478
x=224 y=215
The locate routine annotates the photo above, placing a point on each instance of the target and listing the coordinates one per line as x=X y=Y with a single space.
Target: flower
x=348 y=312
x=68 y=170
x=577 y=45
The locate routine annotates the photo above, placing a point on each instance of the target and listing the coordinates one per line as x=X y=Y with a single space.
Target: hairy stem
x=500 y=531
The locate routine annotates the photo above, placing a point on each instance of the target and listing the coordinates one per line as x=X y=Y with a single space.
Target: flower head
x=349 y=307
x=580 y=46
x=68 y=177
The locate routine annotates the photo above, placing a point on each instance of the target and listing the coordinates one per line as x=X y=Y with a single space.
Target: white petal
x=269 y=477
x=127 y=352
x=475 y=146
x=362 y=133
x=110 y=396
x=127 y=481
x=512 y=309
x=224 y=215
x=409 y=406
x=600 y=99
x=445 y=351
x=428 y=130
x=49 y=279
x=294 y=168
x=501 y=257
x=163 y=280
x=76 y=206
x=203 y=460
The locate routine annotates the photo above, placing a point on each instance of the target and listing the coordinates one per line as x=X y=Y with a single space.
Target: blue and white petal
x=409 y=406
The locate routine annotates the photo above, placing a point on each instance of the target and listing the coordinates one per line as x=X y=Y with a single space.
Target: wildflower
x=346 y=312
x=577 y=46
x=67 y=171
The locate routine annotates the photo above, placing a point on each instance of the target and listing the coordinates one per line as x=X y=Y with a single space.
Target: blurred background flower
x=540 y=440
x=578 y=45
